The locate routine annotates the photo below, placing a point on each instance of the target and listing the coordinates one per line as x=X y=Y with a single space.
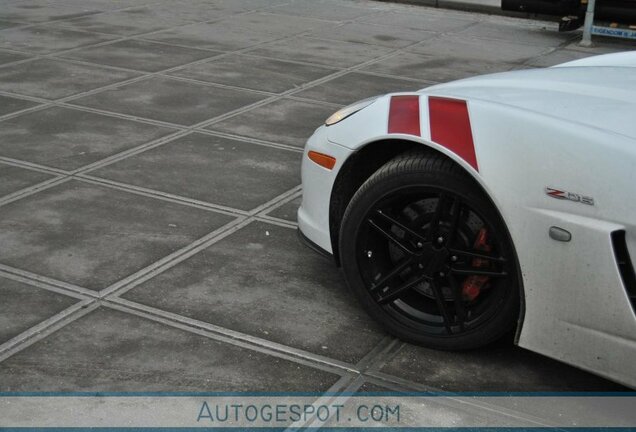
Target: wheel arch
x=367 y=160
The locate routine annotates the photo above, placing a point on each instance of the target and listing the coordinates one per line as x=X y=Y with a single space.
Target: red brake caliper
x=473 y=284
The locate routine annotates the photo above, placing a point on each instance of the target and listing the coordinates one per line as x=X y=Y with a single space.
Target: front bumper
x=313 y=246
x=317 y=183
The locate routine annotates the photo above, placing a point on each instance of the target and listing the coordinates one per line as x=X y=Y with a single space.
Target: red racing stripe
x=404 y=115
x=450 y=127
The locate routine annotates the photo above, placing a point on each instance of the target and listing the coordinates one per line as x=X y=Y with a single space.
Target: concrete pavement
x=149 y=177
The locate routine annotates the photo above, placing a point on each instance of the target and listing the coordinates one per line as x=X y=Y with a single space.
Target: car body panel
x=570 y=128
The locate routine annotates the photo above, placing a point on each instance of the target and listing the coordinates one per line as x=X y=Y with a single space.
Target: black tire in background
x=417 y=241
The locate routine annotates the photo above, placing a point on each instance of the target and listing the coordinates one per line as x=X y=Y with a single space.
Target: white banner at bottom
x=331 y=411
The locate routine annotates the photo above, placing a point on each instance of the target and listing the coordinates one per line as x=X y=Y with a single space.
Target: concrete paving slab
x=54 y=79
x=101 y=5
x=243 y=5
x=170 y=100
x=109 y=350
x=11 y=56
x=222 y=35
x=69 y=139
x=93 y=236
x=213 y=169
x=140 y=55
x=278 y=25
x=287 y=211
x=387 y=36
x=523 y=32
x=254 y=73
x=24 y=306
x=126 y=22
x=500 y=367
x=355 y=86
x=323 y=9
x=13 y=179
x=469 y=49
x=557 y=57
x=262 y=281
x=41 y=11
x=323 y=52
x=10 y=104
x=410 y=65
x=193 y=10
x=45 y=40
x=426 y=20
x=284 y=121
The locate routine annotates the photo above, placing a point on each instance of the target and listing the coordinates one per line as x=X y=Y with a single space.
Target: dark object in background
x=573 y=11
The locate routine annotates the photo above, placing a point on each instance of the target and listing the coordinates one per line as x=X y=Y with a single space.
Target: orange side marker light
x=322 y=159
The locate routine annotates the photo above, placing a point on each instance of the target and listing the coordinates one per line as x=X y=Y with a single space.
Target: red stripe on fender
x=450 y=127
x=404 y=115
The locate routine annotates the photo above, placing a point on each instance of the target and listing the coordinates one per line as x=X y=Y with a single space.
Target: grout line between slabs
x=46 y=184
x=411 y=386
x=122 y=286
x=277 y=221
x=47 y=327
x=45 y=282
x=348 y=381
x=182 y=254
x=80 y=295
x=228 y=336
x=163 y=196
x=354 y=381
x=32 y=166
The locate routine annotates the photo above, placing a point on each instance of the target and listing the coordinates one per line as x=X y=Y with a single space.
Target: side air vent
x=625 y=266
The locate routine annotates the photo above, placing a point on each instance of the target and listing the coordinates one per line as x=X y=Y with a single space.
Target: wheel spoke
x=460 y=310
x=396 y=271
x=456 y=208
x=394 y=293
x=468 y=254
x=476 y=272
x=437 y=217
x=392 y=237
x=401 y=226
x=441 y=305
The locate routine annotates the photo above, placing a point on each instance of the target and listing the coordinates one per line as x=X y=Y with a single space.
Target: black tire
x=408 y=239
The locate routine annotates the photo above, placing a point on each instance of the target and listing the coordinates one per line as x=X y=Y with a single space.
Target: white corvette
x=489 y=205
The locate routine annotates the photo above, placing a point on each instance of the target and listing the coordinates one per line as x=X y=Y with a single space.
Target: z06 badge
x=565 y=195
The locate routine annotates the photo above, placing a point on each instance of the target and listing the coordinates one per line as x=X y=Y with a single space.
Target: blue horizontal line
x=317 y=394
x=327 y=429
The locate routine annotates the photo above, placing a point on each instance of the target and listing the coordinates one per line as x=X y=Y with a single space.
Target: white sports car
x=475 y=208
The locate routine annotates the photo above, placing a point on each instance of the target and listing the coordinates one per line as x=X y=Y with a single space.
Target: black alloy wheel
x=429 y=256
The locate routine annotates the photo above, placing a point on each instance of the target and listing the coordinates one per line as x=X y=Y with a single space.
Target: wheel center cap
x=436 y=261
